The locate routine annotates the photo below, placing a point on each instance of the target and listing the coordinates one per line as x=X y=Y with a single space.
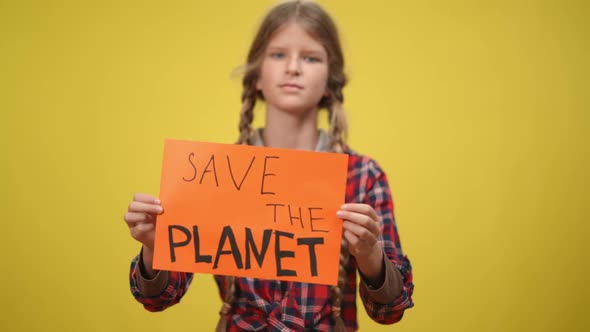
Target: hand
x=141 y=218
x=361 y=229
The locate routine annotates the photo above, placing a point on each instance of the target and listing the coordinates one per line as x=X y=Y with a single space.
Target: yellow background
x=477 y=110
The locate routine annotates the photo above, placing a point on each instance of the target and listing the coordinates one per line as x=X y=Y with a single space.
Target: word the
x=295 y=214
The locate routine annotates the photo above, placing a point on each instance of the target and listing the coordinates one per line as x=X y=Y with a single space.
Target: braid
x=338 y=125
x=228 y=298
x=337 y=133
x=338 y=290
x=247 y=113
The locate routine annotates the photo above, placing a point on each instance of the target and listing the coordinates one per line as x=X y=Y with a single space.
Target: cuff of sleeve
x=150 y=287
x=392 y=284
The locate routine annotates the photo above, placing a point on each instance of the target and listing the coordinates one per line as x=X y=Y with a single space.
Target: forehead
x=293 y=35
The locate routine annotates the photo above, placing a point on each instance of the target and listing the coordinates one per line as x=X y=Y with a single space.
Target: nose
x=293 y=66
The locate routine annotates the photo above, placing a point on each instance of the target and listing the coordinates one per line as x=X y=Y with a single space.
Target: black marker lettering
x=173 y=244
x=194 y=168
x=311 y=242
x=196 y=242
x=251 y=244
x=211 y=162
x=280 y=254
x=235 y=251
x=275 y=210
x=264 y=175
x=295 y=218
x=311 y=219
x=231 y=173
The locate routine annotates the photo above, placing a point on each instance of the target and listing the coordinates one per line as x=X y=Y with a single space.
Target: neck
x=291 y=131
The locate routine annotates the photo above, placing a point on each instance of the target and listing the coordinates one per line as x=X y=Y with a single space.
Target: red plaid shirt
x=286 y=306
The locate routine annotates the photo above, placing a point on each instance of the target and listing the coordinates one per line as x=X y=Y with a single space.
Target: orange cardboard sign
x=250 y=211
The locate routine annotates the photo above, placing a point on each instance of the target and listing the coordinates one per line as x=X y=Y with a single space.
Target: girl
x=295 y=65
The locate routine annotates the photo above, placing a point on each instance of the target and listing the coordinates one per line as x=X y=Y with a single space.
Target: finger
x=359 y=231
x=353 y=242
x=143 y=232
x=135 y=217
x=146 y=198
x=145 y=207
x=361 y=220
x=144 y=228
x=365 y=209
x=352 y=239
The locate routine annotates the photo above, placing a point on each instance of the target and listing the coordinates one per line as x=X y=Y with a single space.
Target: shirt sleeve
x=380 y=304
x=164 y=290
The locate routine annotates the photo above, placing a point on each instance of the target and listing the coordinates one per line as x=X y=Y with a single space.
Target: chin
x=298 y=110
x=296 y=107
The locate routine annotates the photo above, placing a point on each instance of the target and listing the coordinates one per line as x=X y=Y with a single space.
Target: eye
x=277 y=55
x=311 y=59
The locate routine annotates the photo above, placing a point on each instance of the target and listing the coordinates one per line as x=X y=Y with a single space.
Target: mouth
x=290 y=86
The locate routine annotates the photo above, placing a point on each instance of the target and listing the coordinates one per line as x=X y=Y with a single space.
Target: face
x=294 y=71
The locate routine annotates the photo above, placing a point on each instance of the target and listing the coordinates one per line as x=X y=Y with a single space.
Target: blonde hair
x=320 y=26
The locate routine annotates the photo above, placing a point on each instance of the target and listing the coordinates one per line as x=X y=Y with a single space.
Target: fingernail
x=339 y=213
x=159 y=209
x=157 y=201
x=344 y=206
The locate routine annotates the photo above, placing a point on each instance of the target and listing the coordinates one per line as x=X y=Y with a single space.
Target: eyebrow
x=312 y=51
